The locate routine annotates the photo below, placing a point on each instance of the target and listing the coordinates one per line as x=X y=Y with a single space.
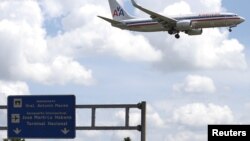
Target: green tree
x=127 y=139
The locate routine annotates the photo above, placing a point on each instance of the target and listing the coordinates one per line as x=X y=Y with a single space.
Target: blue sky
x=63 y=48
x=239 y=7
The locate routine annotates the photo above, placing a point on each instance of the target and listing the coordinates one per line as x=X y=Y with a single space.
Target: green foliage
x=127 y=139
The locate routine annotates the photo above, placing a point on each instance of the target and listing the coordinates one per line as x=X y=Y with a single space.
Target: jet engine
x=184 y=25
x=194 y=31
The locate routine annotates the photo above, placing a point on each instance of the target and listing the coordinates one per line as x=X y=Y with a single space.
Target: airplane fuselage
x=196 y=22
x=190 y=24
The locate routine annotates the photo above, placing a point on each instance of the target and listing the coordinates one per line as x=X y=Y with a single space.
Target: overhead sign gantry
x=53 y=116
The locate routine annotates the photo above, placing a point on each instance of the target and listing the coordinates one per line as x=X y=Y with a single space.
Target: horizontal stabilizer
x=113 y=22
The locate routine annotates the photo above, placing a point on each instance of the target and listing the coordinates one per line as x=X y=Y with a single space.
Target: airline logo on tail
x=118 y=12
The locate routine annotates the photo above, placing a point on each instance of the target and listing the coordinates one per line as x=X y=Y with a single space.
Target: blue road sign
x=41 y=116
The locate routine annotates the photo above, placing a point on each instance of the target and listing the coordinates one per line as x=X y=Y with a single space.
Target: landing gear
x=230 y=28
x=174 y=32
x=177 y=36
x=170 y=32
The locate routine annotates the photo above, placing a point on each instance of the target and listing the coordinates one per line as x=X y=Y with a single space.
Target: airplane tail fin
x=118 y=12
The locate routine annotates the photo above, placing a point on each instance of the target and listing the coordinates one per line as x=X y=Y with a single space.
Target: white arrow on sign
x=17 y=131
x=65 y=131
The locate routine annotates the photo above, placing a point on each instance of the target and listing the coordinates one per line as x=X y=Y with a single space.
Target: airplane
x=190 y=24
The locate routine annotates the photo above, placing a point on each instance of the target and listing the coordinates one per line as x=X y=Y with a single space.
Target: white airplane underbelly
x=209 y=23
x=214 y=23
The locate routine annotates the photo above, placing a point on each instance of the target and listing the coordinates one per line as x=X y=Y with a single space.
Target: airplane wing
x=158 y=17
x=113 y=22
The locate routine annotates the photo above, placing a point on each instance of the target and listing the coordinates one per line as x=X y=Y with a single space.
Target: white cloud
x=212 y=50
x=179 y=8
x=86 y=34
x=186 y=136
x=84 y=15
x=58 y=8
x=14 y=88
x=207 y=5
x=11 y=10
x=24 y=53
x=154 y=120
x=93 y=35
x=247 y=105
x=198 y=114
x=3 y=135
x=52 y=8
x=58 y=70
x=132 y=47
x=10 y=88
x=174 y=7
x=195 y=84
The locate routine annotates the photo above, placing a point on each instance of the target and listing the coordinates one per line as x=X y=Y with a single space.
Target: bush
x=127 y=139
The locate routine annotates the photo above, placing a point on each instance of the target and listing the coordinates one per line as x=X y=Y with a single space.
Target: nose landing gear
x=230 y=28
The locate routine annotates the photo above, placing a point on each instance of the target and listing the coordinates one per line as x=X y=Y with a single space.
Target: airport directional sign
x=41 y=116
